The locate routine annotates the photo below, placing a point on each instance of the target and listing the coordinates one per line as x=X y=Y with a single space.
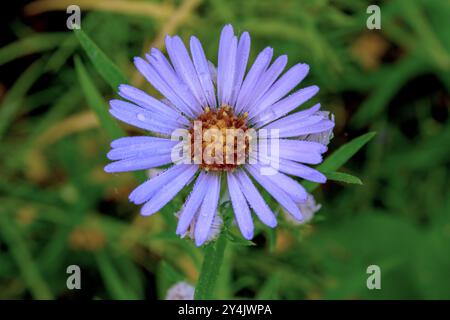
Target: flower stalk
x=212 y=261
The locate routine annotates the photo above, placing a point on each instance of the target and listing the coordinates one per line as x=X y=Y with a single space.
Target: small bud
x=181 y=291
x=307 y=208
x=321 y=137
x=214 y=231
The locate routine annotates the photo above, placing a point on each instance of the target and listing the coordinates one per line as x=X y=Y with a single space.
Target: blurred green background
x=58 y=207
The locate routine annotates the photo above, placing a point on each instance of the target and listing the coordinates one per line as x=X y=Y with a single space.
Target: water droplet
x=141 y=117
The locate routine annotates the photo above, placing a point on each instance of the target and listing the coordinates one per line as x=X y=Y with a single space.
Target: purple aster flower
x=181 y=291
x=197 y=96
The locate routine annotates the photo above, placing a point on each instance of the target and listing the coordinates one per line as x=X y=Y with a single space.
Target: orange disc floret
x=220 y=139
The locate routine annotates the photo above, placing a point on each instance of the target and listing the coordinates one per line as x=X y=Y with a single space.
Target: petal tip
x=109 y=168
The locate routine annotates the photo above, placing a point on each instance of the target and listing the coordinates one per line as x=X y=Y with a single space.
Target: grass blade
x=23 y=258
x=33 y=44
x=14 y=98
x=338 y=158
x=343 y=177
x=129 y=7
x=345 y=152
x=96 y=102
x=105 y=67
x=112 y=280
x=385 y=91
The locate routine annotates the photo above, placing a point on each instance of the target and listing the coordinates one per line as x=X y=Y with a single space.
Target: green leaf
x=23 y=258
x=272 y=236
x=107 y=69
x=212 y=261
x=96 y=102
x=166 y=276
x=35 y=43
x=343 y=177
x=345 y=152
x=340 y=157
x=238 y=240
x=100 y=108
x=113 y=281
x=269 y=289
x=13 y=99
x=372 y=107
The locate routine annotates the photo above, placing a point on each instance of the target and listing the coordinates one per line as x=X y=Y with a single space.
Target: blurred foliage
x=59 y=208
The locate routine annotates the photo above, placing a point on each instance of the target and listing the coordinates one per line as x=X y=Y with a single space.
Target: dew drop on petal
x=141 y=117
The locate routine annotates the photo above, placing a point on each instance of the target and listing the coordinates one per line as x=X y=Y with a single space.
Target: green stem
x=212 y=262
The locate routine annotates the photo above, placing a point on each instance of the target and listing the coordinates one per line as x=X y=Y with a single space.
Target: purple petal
x=276 y=192
x=184 y=67
x=139 y=163
x=192 y=204
x=158 y=82
x=308 y=158
x=267 y=80
x=286 y=105
x=302 y=171
x=159 y=62
x=252 y=77
x=208 y=209
x=323 y=125
x=286 y=183
x=289 y=167
x=240 y=207
x=300 y=146
x=294 y=120
x=228 y=70
x=168 y=191
x=202 y=68
x=243 y=51
x=138 y=117
x=135 y=141
x=225 y=43
x=283 y=86
x=143 y=150
x=213 y=72
x=141 y=115
x=146 y=101
x=255 y=199
x=147 y=189
x=301 y=151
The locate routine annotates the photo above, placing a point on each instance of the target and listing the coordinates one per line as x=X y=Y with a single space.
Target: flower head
x=238 y=127
x=181 y=291
x=308 y=210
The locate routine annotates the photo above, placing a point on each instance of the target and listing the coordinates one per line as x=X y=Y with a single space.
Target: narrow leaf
x=100 y=108
x=338 y=158
x=166 y=276
x=373 y=106
x=113 y=281
x=14 y=98
x=107 y=69
x=237 y=240
x=35 y=43
x=343 y=177
x=20 y=253
x=96 y=102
